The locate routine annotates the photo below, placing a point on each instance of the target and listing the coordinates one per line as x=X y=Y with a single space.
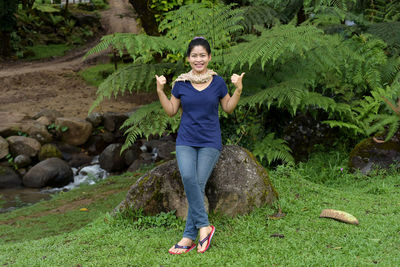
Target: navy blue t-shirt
x=199 y=125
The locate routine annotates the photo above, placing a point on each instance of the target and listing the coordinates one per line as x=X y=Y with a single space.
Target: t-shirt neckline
x=191 y=85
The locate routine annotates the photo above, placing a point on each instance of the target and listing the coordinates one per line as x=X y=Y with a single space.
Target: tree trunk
x=149 y=22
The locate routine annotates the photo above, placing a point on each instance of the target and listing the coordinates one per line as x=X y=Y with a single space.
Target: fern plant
x=214 y=22
x=146 y=121
x=369 y=115
x=299 y=69
x=383 y=11
x=272 y=149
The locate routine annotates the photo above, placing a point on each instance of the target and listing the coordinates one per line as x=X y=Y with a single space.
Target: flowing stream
x=14 y=198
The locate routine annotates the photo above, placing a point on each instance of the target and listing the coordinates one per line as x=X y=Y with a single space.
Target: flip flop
x=208 y=237
x=183 y=247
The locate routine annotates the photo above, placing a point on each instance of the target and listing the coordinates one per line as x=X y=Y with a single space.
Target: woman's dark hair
x=198 y=41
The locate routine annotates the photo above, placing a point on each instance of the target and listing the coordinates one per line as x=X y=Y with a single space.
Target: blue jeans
x=195 y=165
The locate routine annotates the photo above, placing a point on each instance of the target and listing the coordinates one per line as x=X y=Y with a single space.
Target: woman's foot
x=187 y=243
x=205 y=232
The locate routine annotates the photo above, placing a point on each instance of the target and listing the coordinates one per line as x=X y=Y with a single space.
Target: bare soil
x=29 y=87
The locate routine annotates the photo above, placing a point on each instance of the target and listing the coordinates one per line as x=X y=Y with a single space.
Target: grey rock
x=95 y=145
x=137 y=164
x=32 y=128
x=3 y=147
x=78 y=130
x=52 y=172
x=147 y=156
x=22 y=161
x=67 y=150
x=9 y=120
x=113 y=121
x=44 y=120
x=52 y=115
x=111 y=159
x=80 y=159
x=161 y=150
x=368 y=154
x=131 y=154
x=49 y=151
x=9 y=178
x=107 y=136
x=237 y=185
x=21 y=145
x=95 y=118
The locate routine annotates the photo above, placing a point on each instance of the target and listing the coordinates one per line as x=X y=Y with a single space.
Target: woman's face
x=198 y=59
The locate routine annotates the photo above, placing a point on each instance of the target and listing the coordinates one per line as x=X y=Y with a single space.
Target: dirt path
x=29 y=87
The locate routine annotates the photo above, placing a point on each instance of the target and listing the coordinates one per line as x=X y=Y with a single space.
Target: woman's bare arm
x=229 y=103
x=170 y=106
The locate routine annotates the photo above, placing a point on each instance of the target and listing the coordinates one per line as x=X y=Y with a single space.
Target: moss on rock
x=49 y=151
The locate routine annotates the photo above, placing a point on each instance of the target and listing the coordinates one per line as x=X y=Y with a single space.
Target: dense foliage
x=325 y=59
x=38 y=23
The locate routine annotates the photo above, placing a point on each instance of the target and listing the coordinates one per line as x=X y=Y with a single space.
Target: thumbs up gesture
x=237 y=80
x=161 y=81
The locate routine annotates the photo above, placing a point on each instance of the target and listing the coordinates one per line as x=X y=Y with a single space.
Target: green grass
x=307 y=240
x=46 y=51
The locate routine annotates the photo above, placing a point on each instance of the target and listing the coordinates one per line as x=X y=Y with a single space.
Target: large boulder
x=237 y=185
x=369 y=154
x=9 y=178
x=21 y=145
x=52 y=172
x=78 y=130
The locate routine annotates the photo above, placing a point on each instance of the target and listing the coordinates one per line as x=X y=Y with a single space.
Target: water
x=14 y=198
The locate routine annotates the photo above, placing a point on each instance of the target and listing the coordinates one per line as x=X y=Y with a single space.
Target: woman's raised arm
x=229 y=103
x=170 y=106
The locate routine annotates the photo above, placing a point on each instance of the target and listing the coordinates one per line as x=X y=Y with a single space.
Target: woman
x=198 y=145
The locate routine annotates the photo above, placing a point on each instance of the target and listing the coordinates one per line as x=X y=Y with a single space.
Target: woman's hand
x=161 y=81
x=237 y=80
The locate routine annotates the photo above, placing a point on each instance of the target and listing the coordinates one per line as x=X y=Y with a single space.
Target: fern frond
x=259 y=15
x=388 y=32
x=383 y=120
x=216 y=23
x=346 y=125
x=273 y=149
x=134 y=44
x=289 y=93
x=139 y=77
x=148 y=120
x=390 y=72
x=273 y=43
x=383 y=11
